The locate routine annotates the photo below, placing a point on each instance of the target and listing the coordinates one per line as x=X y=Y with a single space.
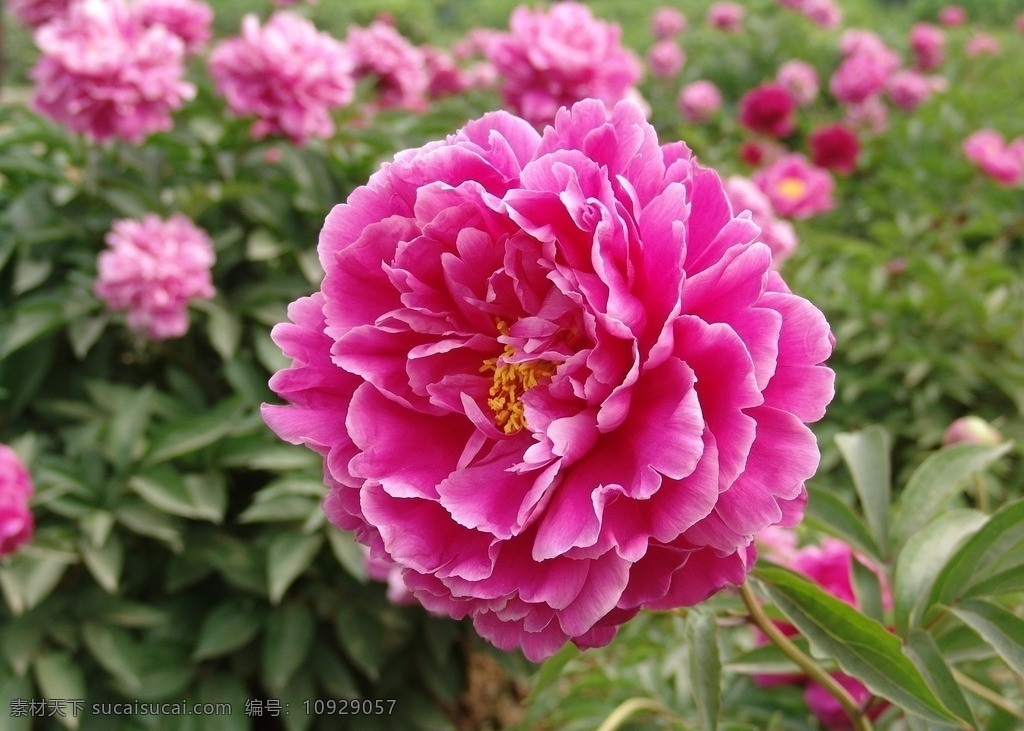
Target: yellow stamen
x=792 y=188
x=511 y=381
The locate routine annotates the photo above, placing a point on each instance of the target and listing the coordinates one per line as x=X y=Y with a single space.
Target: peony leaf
x=60 y=678
x=288 y=556
x=938 y=480
x=705 y=668
x=227 y=628
x=286 y=644
x=922 y=648
x=862 y=647
x=867 y=455
x=829 y=513
x=105 y=561
x=1000 y=628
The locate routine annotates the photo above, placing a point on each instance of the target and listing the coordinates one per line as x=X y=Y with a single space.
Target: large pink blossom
x=795 y=187
x=104 y=74
x=398 y=68
x=553 y=376
x=552 y=58
x=152 y=269
x=35 y=13
x=190 y=20
x=16 y=522
x=287 y=73
x=744 y=195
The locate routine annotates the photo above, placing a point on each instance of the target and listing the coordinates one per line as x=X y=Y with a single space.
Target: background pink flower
x=952 y=15
x=864 y=71
x=286 y=73
x=152 y=269
x=16 y=522
x=987 y=149
x=552 y=58
x=103 y=74
x=835 y=147
x=35 y=13
x=665 y=59
x=768 y=109
x=610 y=381
x=908 y=89
x=800 y=79
x=190 y=20
x=398 y=67
x=726 y=16
x=795 y=187
x=823 y=13
x=744 y=195
x=928 y=44
x=982 y=44
x=699 y=101
x=667 y=22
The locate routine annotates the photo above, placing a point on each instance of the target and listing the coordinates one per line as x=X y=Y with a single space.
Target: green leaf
x=19 y=642
x=27 y=580
x=867 y=455
x=227 y=628
x=60 y=678
x=938 y=480
x=15 y=690
x=922 y=558
x=349 y=553
x=146 y=520
x=923 y=650
x=827 y=512
x=116 y=651
x=705 y=668
x=224 y=328
x=288 y=555
x=1010 y=581
x=124 y=441
x=104 y=562
x=862 y=647
x=1001 y=629
x=194 y=432
x=199 y=496
x=224 y=692
x=286 y=644
x=766 y=660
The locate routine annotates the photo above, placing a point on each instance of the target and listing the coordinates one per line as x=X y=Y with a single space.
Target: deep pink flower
x=16 y=522
x=667 y=22
x=800 y=79
x=835 y=147
x=665 y=59
x=726 y=16
x=795 y=187
x=983 y=44
x=399 y=67
x=952 y=15
x=987 y=149
x=744 y=195
x=105 y=75
x=699 y=101
x=908 y=89
x=552 y=58
x=605 y=385
x=153 y=269
x=287 y=73
x=768 y=109
x=190 y=20
x=35 y=13
x=928 y=44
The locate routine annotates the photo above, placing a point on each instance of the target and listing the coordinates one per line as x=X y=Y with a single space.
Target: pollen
x=510 y=382
x=792 y=188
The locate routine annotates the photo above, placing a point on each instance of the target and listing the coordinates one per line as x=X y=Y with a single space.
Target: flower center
x=792 y=188
x=511 y=381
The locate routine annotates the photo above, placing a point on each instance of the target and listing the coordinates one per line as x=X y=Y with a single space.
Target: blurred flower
x=667 y=22
x=399 y=67
x=552 y=58
x=35 y=13
x=987 y=149
x=611 y=384
x=190 y=20
x=863 y=72
x=828 y=710
x=1020 y=23
x=726 y=16
x=871 y=115
x=982 y=44
x=16 y=522
x=744 y=195
x=699 y=101
x=768 y=109
x=800 y=79
x=795 y=187
x=908 y=89
x=286 y=73
x=972 y=430
x=835 y=147
x=665 y=59
x=928 y=44
x=152 y=269
x=823 y=13
x=952 y=15
x=105 y=75
x=443 y=72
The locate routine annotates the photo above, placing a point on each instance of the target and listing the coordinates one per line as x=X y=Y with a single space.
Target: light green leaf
x=923 y=650
x=288 y=555
x=286 y=644
x=862 y=647
x=1001 y=629
x=202 y=497
x=827 y=512
x=350 y=554
x=867 y=455
x=116 y=651
x=27 y=580
x=705 y=668
x=104 y=562
x=227 y=628
x=194 y=432
x=60 y=678
x=142 y=518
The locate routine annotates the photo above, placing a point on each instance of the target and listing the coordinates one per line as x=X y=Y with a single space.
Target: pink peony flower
x=928 y=44
x=982 y=44
x=952 y=15
x=861 y=40
x=286 y=73
x=744 y=195
x=16 y=522
x=768 y=109
x=443 y=73
x=823 y=13
x=552 y=58
x=699 y=101
x=870 y=115
x=190 y=20
x=667 y=22
x=605 y=383
x=908 y=89
x=835 y=147
x=36 y=13
x=795 y=187
x=987 y=149
x=862 y=75
x=828 y=710
x=726 y=16
x=400 y=69
x=972 y=430
x=152 y=269
x=390 y=573
x=1019 y=23
x=665 y=59
x=800 y=79
x=105 y=75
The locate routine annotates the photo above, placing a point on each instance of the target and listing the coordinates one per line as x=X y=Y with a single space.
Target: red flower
x=835 y=147
x=769 y=109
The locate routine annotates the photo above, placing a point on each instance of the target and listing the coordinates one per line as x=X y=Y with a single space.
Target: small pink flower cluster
x=867 y=64
x=106 y=74
x=665 y=58
x=286 y=73
x=823 y=13
x=398 y=68
x=699 y=101
x=152 y=269
x=1001 y=160
x=745 y=195
x=16 y=522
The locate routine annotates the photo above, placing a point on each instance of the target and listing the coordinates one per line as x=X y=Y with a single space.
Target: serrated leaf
x=60 y=678
x=938 y=480
x=104 y=562
x=861 y=646
x=827 y=512
x=867 y=455
x=922 y=648
x=705 y=668
x=230 y=626
x=286 y=644
x=1001 y=629
x=288 y=555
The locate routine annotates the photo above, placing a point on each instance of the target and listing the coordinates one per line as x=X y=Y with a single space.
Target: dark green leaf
x=286 y=644
x=288 y=556
x=227 y=628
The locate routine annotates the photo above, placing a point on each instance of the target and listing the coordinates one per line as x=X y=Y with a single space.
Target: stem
x=987 y=694
x=627 y=708
x=981 y=494
x=805 y=663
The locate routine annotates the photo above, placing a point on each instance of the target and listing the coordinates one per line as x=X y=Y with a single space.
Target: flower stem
x=634 y=705
x=805 y=663
x=988 y=695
